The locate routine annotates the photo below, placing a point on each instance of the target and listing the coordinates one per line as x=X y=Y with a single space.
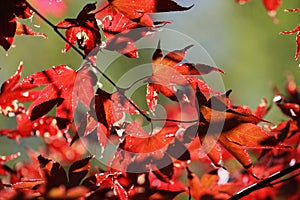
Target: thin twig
x=264 y=183
x=286 y=179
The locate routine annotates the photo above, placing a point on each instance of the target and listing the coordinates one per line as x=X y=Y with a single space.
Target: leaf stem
x=264 y=183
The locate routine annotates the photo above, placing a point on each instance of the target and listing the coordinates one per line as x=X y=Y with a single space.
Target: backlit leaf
x=84 y=30
x=138 y=10
x=64 y=88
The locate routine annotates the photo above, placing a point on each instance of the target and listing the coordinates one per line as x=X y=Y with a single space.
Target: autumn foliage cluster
x=206 y=148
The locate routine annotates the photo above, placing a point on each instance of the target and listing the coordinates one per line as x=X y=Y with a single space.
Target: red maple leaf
x=84 y=30
x=233 y=129
x=139 y=141
x=121 y=32
x=139 y=10
x=169 y=71
x=116 y=30
x=64 y=88
x=152 y=152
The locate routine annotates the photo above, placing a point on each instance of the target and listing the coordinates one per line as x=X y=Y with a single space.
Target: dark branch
x=264 y=183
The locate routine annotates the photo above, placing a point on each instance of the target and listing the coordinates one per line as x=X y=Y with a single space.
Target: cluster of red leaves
x=153 y=164
x=158 y=156
x=59 y=92
x=119 y=24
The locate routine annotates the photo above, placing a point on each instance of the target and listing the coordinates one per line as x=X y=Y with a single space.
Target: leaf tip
x=158 y=44
x=188 y=47
x=189 y=7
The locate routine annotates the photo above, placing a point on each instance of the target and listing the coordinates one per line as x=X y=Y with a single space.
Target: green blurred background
x=242 y=40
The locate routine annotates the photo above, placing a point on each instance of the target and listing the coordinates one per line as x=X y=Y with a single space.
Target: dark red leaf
x=84 y=30
x=163 y=190
x=78 y=170
x=290 y=109
x=53 y=172
x=8 y=23
x=233 y=129
x=43 y=108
